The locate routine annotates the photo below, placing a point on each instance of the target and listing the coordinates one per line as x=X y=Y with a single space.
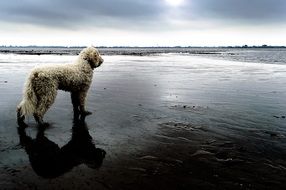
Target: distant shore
x=123 y=50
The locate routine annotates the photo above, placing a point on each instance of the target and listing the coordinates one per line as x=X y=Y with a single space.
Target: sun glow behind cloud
x=174 y=3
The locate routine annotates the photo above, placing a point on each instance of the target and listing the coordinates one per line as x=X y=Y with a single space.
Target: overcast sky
x=143 y=22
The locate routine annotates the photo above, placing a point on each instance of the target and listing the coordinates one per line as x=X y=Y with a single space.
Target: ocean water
x=255 y=55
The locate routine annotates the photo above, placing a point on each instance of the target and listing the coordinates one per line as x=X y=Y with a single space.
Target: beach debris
x=164 y=160
x=149 y=157
x=274 y=134
x=179 y=126
x=190 y=108
x=230 y=161
x=200 y=153
x=184 y=139
x=138 y=169
x=278 y=117
x=208 y=142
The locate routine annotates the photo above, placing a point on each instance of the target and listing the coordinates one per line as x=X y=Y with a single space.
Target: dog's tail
x=28 y=105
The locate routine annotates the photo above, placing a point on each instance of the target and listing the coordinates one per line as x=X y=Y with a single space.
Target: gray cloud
x=72 y=12
x=137 y=13
x=247 y=11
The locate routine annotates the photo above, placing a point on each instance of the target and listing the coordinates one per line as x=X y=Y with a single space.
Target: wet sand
x=165 y=122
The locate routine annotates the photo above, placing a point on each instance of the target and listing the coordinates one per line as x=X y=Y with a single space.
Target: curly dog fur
x=42 y=84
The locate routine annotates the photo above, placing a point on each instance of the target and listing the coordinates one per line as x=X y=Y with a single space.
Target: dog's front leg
x=75 y=103
x=82 y=97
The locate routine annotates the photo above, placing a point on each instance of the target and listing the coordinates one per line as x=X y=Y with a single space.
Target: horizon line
x=123 y=46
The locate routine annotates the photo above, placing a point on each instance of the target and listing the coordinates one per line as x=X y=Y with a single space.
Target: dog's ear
x=93 y=59
x=89 y=54
x=90 y=58
x=86 y=54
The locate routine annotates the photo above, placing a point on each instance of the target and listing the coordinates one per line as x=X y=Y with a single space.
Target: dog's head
x=92 y=56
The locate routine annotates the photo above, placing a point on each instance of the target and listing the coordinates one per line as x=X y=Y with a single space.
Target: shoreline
x=141 y=51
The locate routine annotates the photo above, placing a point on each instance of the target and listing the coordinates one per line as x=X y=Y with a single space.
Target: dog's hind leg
x=39 y=119
x=20 y=118
x=44 y=103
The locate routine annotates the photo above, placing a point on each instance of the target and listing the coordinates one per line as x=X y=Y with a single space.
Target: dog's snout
x=101 y=60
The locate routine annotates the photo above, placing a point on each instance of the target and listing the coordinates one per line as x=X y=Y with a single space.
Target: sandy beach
x=165 y=121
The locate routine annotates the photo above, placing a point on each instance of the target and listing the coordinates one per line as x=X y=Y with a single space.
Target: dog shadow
x=48 y=160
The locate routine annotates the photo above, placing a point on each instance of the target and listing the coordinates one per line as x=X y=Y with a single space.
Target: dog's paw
x=85 y=113
x=22 y=124
x=43 y=125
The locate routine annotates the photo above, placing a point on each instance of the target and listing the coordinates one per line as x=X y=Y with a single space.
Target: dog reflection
x=49 y=160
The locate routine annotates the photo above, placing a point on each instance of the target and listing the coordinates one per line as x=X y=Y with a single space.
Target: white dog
x=42 y=84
